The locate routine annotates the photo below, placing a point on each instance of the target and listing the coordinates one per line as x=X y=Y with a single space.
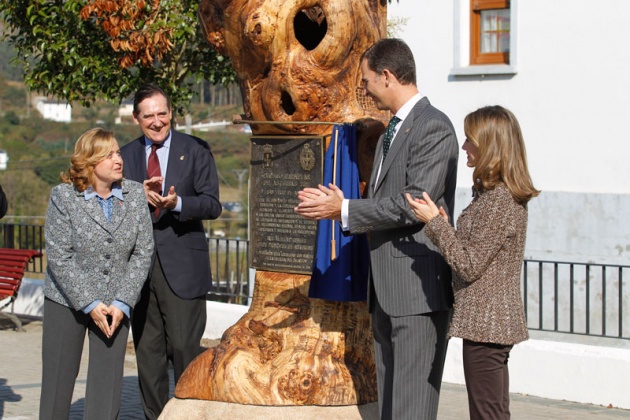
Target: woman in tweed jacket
x=99 y=243
x=486 y=255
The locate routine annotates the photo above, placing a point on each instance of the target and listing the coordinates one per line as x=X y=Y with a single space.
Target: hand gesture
x=320 y=203
x=170 y=201
x=153 y=184
x=425 y=209
x=99 y=316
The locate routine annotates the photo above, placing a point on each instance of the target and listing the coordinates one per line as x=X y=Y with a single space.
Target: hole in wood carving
x=310 y=27
x=287 y=103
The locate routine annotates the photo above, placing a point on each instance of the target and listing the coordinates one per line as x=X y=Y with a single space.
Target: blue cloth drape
x=344 y=279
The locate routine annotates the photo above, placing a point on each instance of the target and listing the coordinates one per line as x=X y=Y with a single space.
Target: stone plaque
x=280 y=167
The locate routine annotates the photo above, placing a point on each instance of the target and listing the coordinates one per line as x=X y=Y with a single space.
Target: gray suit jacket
x=180 y=238
x=408 y=273
x=90 y=258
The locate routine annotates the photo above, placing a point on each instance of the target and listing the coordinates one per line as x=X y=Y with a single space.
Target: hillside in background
x=38 y=150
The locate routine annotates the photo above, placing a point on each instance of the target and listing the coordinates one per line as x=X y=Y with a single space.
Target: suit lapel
x=399 y=141
x=177 y=160
x=378 y=157
x=119 y=211
x=94 y=210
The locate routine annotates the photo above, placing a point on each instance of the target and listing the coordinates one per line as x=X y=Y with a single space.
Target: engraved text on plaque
x=280 y=167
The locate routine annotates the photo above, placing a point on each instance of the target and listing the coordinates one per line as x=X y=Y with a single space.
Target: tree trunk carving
x=297 y=60
x=288 y=350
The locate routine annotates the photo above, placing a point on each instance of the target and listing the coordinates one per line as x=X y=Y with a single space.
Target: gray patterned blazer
x=408 y=273
x=90 y=258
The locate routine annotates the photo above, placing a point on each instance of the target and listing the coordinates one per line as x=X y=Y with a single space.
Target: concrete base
x=206 y=410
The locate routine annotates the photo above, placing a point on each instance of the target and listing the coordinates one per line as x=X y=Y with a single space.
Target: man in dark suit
x=410 y=295
x=182 y=189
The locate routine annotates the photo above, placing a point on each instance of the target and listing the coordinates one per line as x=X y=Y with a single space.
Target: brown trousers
x=487 y=380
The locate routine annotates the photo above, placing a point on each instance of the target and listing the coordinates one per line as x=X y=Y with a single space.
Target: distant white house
x=4 y=160
x=125 y=111
x=54 y=110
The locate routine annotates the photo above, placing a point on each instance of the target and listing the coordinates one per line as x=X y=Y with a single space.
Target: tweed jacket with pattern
x=90 y=258
x=486 y=255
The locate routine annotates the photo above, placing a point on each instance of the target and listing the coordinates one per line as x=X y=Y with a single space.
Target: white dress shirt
x=162 y=154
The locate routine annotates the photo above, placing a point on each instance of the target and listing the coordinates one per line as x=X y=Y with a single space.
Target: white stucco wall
x=569 y=91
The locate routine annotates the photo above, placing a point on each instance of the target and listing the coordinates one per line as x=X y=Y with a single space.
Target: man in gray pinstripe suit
x=410 y=295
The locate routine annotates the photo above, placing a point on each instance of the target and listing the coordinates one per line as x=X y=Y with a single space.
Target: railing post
x=540 y=295
x=571 y=297
x=603 y=300
x=588 y=299
x=555 y=297
x=9 y=235
x=620 y=304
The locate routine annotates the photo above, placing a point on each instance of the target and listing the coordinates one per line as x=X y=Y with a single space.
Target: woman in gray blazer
x=99 y=244
x=486 y=255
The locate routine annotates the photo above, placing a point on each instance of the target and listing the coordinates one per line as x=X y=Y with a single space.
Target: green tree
x=11 y=117
x=82 y=50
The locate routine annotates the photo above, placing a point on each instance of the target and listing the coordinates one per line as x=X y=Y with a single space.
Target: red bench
x=13 y=263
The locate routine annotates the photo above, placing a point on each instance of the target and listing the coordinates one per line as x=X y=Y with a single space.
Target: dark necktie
x=153 y=169
x=389 y=135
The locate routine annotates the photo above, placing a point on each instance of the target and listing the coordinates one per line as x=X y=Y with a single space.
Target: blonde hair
x=90 y=149
x=501 y=152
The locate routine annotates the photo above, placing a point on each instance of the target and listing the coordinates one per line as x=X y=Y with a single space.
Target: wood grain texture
x=288 y=350
x=297 y=60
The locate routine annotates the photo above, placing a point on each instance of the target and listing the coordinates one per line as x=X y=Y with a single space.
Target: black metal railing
x=577 y=298
x=24 y=236
x=566 y=297
x=229 y=261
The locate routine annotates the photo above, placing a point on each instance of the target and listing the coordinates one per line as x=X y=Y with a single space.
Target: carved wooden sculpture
x=297 y=60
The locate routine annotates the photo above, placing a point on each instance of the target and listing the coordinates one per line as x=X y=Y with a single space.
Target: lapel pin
x=181 y=158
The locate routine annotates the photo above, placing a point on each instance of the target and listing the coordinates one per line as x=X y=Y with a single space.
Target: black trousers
x=165 y=328
x=62 y=346
x=487 y=380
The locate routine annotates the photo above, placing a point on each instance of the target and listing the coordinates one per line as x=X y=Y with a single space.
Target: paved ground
x=20 y=377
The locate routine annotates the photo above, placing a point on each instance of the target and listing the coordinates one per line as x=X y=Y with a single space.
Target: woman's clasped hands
x=107 y=319
x=425 y=209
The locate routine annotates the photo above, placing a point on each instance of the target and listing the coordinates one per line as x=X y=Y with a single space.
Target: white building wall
x=570 y=94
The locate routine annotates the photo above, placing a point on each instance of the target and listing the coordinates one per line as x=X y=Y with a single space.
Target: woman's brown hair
x=90 y=149
x=501 y=152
